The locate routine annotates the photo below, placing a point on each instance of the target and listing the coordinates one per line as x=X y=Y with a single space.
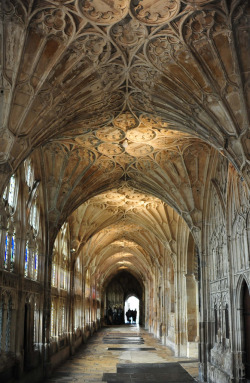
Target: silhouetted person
x=135 y=315
x=110 y=315
x=119 y=315
x=128 y=315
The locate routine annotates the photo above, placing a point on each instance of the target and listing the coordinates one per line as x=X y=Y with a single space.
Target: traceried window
x=63 y=319
x=32 y=244
x=8 y=235
x=11 y=196
x=54 y=274
x=5 y=194
x=52 y=320
x=31 y=261
x=26 y=262
x=10 y=250
x=60 y=278
x=35 y=273
x=29 y=173
x=33 y=219
x=6 y=251
x=13 y=251
x=10 y=192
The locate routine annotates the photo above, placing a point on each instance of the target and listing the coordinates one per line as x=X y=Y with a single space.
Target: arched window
x=34 y=216
x=13 y=251
x=11 y=194
x=53 y=320
x=53 y=274
x=36 y=264
x=29 y=172
x=8 y=233
x=10 y=248
x=26 y=262
x=62 y=318
x=32 y=244
x=5 y=194
x=6 y=251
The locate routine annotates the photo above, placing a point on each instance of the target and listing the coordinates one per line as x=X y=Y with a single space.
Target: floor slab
x=95 y=358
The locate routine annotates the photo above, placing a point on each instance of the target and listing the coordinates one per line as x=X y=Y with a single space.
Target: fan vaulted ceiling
x=124 y=103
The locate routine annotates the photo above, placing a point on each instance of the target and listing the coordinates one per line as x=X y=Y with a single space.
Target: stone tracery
x=134 y=117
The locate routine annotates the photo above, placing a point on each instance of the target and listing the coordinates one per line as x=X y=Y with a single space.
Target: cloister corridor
x=125 y=354
x=124 y=172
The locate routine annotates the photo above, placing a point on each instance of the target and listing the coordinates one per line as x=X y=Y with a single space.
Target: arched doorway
x=122 y=286
x=132 y=306
x=246 y=323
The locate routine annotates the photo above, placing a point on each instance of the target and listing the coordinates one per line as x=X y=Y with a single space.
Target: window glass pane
x=5 y=194
x=53 y=274
x=6 y=251
x=13 y=251
x=26 y=260
x=36 y=265
x=12 y=191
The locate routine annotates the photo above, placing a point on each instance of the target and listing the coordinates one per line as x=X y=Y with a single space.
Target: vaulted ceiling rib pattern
x=138 y=239
x=73 y=66
x=124 y=104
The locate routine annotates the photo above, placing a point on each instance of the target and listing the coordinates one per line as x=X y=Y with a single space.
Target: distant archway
x=132 y=303
x=121 y=287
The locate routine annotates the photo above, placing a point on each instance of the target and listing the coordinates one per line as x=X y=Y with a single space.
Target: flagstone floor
x=124 y=354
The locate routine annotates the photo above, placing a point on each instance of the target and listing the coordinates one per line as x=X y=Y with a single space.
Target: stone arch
x=243 y=285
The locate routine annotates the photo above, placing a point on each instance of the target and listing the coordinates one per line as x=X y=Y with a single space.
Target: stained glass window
x=13 y=251
x=31 y=262
x=53 y=274
x=5 y=194
x=36 y=264
x=34 y=216
x=26 y=264
x=28 y=172
x=63 y=318
x=52 y=320
x=6 y=251
x=11 y=197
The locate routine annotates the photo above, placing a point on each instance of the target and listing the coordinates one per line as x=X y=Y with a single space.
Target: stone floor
x=125 y=354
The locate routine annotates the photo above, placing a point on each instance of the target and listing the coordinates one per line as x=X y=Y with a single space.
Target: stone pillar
x=71 y=324
x=192 y=316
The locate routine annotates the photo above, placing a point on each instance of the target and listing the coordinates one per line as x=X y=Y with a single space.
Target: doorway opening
x=246 y=318
x=132 y=310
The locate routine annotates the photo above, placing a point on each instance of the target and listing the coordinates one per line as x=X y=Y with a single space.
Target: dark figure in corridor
x=134 y=316
x=110 y=315
x=120 y=319
x=128 y=315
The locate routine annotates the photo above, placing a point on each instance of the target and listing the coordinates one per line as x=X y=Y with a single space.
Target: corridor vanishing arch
x=124 y=149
